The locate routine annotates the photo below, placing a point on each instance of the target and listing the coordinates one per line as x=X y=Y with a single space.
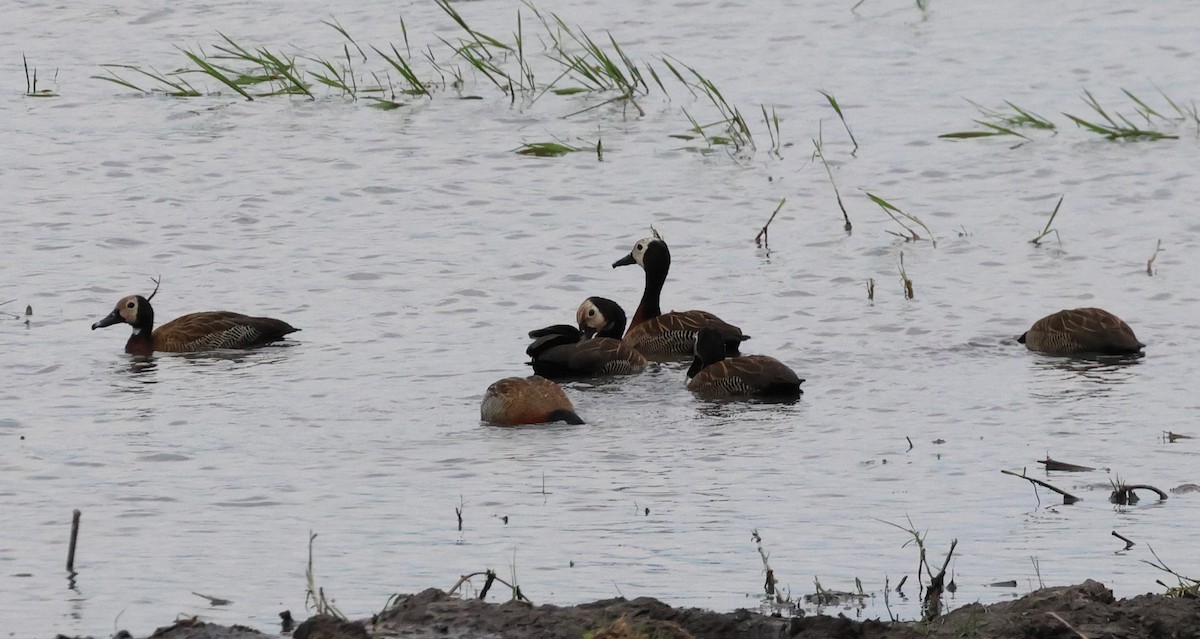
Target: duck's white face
x=639 y=250
x=127 y=308
x=590 y=316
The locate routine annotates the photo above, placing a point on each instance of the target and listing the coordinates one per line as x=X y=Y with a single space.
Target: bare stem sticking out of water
x=31 y=82
x=1187 y=586
x=770 y=585
x=772 y=122
x=314 y=593
x=870 y=289
x=1047 y=230
x=1128 y=542
x=1068 y=498
x=75 y=515
x=932 y=600
x=904 y=279
x=760 y=240
x=1150 y=262
x=458 y=510
x=818 y=152
x=489 y=576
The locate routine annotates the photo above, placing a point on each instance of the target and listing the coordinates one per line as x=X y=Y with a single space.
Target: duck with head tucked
x=204 y=331
x=1081 y=331
x=656 y=333
x=518 y=401
x=712 y=374
x=594 y=348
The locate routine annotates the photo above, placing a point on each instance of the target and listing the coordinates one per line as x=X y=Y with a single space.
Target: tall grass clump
x=594 y=67
x=1119 y=127
x=997 y=122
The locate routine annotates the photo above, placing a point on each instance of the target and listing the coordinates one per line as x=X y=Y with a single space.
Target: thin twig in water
x=315 y=594
x=1068 y=498
x=908 y=284
x=760 y=240
x=770 y=585
x=1150 y=262
x=1128 y=542
x=818 y=152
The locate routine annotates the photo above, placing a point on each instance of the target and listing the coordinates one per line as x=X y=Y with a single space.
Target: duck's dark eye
x=592 y=313
x=638 y=247
x=130 y=305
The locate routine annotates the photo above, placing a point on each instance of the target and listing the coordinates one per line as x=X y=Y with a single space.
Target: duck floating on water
x=1081 y=331
x=656 y=333
x=204 y=331
x=712 y=374
x=593 y=348
x=516 y=401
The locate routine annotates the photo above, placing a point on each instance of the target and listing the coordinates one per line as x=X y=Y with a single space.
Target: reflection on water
x=1081 y=378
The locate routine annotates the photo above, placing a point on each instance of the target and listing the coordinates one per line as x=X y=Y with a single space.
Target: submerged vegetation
x=1112 y=126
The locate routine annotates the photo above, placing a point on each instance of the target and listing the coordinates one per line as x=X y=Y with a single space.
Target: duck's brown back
x=674 y=333
x=514 y=401
x=597 y=356
x=211 y=330
x=746 y=375
x=1081 y=330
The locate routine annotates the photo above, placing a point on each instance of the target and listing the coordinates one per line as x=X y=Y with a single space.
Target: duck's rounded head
x=709 y=350
x=134 y=310
x=649 y=252
x=600 y=316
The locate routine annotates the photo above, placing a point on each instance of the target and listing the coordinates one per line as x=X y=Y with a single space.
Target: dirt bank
x=1086 y=611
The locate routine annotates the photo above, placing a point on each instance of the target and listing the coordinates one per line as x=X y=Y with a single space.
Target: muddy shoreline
x=1086 y=610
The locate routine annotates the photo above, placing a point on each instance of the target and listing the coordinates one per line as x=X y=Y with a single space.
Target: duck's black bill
x=625 y=261
x=112 y=318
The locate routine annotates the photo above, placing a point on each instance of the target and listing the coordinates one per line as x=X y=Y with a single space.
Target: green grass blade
x=215 y=73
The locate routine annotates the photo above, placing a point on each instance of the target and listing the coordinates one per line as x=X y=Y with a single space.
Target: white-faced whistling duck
x=205 y=331
x=714 y=375
x=656 y=333
x=594 y=348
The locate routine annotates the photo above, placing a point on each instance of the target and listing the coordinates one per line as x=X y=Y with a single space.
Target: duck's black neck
x=141 y=342
x=656 y=264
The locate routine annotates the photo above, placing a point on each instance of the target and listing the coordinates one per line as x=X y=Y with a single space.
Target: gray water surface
x=415 y=249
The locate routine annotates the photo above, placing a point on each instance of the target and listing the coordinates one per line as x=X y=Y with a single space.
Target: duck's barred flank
x=205 y=331
x=1081 y=331
x=656 y=333
x=714 y=375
